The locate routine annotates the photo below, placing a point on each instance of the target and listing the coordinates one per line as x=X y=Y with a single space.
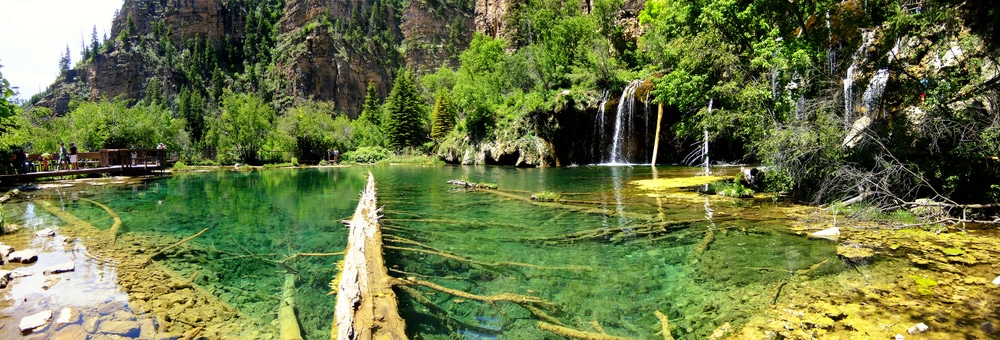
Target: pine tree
x=64 y=62
x=444 y=117
x=405 y=113
x=370 y=111
x=94 y=44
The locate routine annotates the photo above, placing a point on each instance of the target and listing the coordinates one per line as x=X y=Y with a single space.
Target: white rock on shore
x=60 y=268
x=35 y=321
x=23 y=256
x=996 y=281
x=47 y=232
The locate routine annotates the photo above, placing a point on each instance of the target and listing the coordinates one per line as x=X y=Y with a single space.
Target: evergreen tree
x=191 y=108
x=94 y=44
x=405 y=113
x=444 y=116
x=64 y=62
x=370 y=111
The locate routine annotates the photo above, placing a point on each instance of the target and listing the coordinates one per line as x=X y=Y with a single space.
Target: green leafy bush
x=180 y=166
x=368 y=154
x=546 y=196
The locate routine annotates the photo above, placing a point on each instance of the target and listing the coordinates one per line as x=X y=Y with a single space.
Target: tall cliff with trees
x=880 y=100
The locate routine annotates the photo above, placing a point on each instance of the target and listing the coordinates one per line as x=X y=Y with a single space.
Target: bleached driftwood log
x=366 y=303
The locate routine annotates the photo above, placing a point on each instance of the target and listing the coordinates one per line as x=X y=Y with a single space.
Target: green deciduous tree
x=243 y=127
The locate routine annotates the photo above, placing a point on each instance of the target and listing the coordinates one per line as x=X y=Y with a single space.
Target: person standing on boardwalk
x=72 y=156
x=62 y=156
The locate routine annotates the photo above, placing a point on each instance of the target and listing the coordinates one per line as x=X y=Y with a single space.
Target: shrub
x=180 y=166
x=368 y=154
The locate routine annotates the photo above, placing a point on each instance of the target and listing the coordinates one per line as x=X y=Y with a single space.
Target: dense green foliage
x=766 y=79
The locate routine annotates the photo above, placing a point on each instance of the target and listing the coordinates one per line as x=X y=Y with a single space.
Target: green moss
x=953 y=251
x=924 y=284
x=546 y=196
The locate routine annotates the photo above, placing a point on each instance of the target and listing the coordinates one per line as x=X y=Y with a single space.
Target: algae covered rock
x=855 y=254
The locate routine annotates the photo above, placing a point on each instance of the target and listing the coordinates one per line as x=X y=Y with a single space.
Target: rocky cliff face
x=325 y=50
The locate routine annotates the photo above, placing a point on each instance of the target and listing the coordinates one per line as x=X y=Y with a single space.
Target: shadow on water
x=610 y=285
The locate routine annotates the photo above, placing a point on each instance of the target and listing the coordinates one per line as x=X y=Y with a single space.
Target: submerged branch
x=488 y=264
x=576 y=334
x=509 y=297
x=665 y=324
x=118 y=220
x=178 y=243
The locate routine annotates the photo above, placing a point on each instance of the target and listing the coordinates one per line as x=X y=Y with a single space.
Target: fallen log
x=118 y=220
x=288 y=325
x=366 y=304
x=576 y=334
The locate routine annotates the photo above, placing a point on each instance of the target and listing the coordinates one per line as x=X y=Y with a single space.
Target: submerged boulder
x=831 y=234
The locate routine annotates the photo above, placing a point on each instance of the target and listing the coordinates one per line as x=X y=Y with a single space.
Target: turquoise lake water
x=611 y=284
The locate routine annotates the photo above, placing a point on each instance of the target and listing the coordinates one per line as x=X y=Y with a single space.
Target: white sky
x=34 y=33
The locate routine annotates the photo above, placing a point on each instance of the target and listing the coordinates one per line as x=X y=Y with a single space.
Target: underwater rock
x=50 y=282
x=71 y=332
x=988 y=327
x=123 y=328
x=67 y=316
x=47 y=232
x=854 y=253
x=23 y=256
x=60 y=268
x=34 y=321
x=899 y=337
x=831 y=234
x=918 y=328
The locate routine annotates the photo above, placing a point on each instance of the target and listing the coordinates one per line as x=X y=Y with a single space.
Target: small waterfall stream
x=623 y=124
x=876 y=86
x=856 y=59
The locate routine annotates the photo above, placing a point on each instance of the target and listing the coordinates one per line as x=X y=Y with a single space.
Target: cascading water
x=701 y=152
x=623 y=124
x=856 y=59
x=876 y=86
x=599 y=127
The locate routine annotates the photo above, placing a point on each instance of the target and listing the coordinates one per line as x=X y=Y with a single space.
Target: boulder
x=123 y=328
x=35 y=321
x=831 y=234
x=4 y=278
x=47 y=232
x=996 y=281
x=60 y=268
x=23 y=256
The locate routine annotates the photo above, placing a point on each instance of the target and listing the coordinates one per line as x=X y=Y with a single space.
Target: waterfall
x=704 y=151
x=599 y=127
x=876 y=86
x=866 y=40
x=623 y=122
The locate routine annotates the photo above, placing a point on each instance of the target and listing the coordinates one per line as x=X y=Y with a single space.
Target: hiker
x=63 y=157
x=336 y=156
x=72 y=156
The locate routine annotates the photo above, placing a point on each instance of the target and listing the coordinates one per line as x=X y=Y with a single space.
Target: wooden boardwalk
x=108 y=161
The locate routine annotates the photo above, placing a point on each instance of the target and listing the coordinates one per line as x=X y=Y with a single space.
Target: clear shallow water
x=254 y=217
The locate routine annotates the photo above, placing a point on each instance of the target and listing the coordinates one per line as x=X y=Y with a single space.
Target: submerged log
x=288 y=325
x=117 y=220
x=366 y=304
